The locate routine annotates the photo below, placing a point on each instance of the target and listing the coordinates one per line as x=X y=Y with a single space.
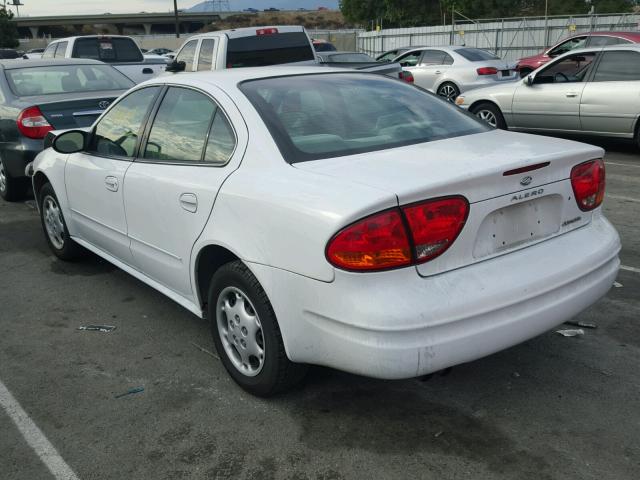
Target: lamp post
x=175 y=11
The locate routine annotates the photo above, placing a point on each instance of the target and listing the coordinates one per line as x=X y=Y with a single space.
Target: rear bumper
x=399 y=325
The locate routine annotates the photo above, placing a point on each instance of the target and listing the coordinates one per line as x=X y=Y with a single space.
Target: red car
x=527 y=65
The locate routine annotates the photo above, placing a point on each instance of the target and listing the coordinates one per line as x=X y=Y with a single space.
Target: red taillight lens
x=487 y=71
x=374 y=243
x=32 y=124
x=387 y=240
x=588 y=181
x=406 y=76
x=435 y=225
x=266 y=31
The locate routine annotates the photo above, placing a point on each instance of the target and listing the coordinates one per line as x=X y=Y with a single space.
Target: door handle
x=111 y=183
x=189 y=202
x=147 y=71
x=572 y=94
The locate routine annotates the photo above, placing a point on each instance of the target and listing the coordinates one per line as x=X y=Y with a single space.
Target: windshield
x=273 y=49
x=48 y=80
x=320 y=116
x=476 y=55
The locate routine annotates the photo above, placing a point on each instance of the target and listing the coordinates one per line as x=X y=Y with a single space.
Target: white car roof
x=248 y=31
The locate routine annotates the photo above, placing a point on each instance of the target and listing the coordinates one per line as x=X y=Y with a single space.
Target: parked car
x=527 y=65
x=391 y=55
x=160 y=51
x=271 y=9
x=591 y=91
x=33 y=53
x=320 y=45
x=450 y=70
x=355 y=58
x=332 y=217
x=251 y=10
x=42 y=95
x=9 y=54
x=121 y=52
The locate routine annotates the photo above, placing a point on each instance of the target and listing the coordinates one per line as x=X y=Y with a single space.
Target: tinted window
x=117 y=132
x=188 y=54
x=107 y=49
x=180 y=127
x=274 y=49
x=205 y=58
x=432 y=57
x=61 y=50
x=573 y=68
x=618 y=66
x=448 y=59
x=601 y=41
x=222 y=140
x=476 y=55
x=410 y=59
x=50 y=51
x=65 y=79
x=327 y=115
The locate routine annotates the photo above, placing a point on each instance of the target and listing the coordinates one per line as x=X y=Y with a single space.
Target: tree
x=8 y=30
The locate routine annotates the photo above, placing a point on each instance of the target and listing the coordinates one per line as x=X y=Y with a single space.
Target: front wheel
x=449 y=91
x=55 y=227
x=491 y=114
x=247 y=335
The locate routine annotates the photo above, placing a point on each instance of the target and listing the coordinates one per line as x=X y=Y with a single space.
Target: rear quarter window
x=476 y=55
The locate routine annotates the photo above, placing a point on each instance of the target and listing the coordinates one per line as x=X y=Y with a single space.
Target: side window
x=432 y=57
x=205 y=57
x=187 y=54
x=179 y=130
x=448 y=59
x=571 y=44
x=410 y=59
x=618 y=67
x=221 y=142
x=602 y=41
x=50 y=51
x=387 y=57
x=117 y=132
x=62 y=49
x=573 y=68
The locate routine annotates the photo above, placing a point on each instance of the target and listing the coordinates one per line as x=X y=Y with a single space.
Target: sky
x=78 y=7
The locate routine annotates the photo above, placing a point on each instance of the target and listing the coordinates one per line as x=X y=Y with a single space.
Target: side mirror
x=529 y=80
x=176 y=66
x=72 y=141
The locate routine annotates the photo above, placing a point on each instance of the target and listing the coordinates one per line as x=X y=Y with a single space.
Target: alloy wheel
x=240 y=331
x=488 y=116
x=449 y=92
x=53 y=221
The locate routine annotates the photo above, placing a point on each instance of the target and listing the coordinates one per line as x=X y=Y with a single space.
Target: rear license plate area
x=515 y=225
x=505 y=73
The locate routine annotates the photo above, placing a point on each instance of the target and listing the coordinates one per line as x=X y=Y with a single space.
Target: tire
x=449 y=91
x=55 y=227
x=524 y=72
x=249 y=342
x=11 y=188
x=490 y=113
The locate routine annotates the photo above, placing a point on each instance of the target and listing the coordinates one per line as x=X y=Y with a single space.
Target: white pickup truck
x=256 y=47
x=121 y=52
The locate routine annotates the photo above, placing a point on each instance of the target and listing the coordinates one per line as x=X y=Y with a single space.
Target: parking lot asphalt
x=552 y=408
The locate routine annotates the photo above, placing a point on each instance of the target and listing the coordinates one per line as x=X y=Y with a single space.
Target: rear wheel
x=449 y=91
x=11 y=188
x=54 y=226
x=247 y=335
x=490 y=113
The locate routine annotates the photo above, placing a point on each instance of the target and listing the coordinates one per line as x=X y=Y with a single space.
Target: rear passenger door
x=193 y=143
x=611 y=100
x=433 y=67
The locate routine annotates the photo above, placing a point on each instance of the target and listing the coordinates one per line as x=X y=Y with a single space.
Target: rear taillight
x=399 y=237
x=487 y=71
x=435 y=225
x=266 y=31
x=406 y=76
x=588 y=181
x=32 y=124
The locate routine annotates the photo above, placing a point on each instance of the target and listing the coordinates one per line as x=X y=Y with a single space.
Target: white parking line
x=622 y=164
x=622 y=197
x=34 y=437
x=630 y=269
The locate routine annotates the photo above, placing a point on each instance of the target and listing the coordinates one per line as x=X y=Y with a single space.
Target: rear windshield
x=107 y=49
x=320 y=116
x=476 y=55
x=49 y=80
x=274 y=49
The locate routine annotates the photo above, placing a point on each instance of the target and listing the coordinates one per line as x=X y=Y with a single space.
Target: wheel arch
x=39 y=180
x=484 y=100
x=208 y=261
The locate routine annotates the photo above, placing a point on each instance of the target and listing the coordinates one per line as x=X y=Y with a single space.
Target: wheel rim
x=240 y=331
x=449 y=92
x=3 y=178
x=53 y=221
x=488 y=117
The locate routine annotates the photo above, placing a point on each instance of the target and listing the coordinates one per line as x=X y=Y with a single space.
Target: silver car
x=594 y=91
x=451 y=70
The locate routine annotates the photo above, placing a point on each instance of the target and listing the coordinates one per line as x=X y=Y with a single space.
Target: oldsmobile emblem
x=103 y=104
x=526 y=181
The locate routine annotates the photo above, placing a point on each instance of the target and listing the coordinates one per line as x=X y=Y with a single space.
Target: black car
x=9 y=53
x=43 y=95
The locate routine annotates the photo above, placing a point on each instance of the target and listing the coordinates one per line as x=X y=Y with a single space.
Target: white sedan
x=333 y=218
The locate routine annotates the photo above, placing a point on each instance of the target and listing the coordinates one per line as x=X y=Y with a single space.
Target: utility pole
x=175 y=11
x=546 y=23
